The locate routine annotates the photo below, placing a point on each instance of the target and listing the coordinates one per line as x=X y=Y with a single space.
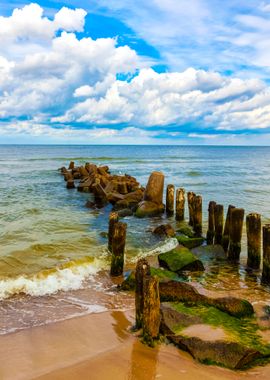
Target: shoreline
x=99 y=347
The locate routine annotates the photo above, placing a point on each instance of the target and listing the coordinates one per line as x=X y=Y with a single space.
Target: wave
x=69 y=276
x=162 y=247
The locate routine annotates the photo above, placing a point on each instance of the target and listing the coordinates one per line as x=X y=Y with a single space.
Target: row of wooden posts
x=229 y=235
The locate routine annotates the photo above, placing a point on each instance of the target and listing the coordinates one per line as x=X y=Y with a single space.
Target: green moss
x=190 y=242
x=164 y=274
x=243 y=331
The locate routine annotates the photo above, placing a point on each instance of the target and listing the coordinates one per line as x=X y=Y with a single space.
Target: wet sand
x=99 y=347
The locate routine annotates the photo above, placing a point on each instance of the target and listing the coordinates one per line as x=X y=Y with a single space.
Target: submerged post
x=211 y=223
x=118 y=248
x=151 y=309
x=113 y=218
x=190 y=197
x=226 y=232
x=236 y=227
x=180 y=205
x=218 y=213
x=254 y=235
x=197 y=215
x=142 y=270
x=170 y=200
x=266 y=254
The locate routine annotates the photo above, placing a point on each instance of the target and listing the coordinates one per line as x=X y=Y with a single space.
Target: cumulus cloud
x=54 y=83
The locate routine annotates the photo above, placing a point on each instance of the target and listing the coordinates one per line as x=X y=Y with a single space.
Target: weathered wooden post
x=170 y=200
x=266 y=254
x=254 y=236
x=151 y=309
x=118 y=248
x=197 y=215
x=226 y=232
x=113 y=218
x=236 y=227
x=190 y=197
x=211 y=223
x=180 y=205
x=218 y=213
x=71 y=165
x=142 y=270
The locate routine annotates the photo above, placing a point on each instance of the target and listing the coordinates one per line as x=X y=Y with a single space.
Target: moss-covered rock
x=187 y=231
x=180 y=259
x=226 y=354
x=190 y=242
x=210 y=252
x=182 y=292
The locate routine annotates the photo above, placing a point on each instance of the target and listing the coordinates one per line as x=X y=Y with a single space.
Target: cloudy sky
x=135 y=72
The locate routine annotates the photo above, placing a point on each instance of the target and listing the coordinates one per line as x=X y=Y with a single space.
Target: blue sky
x=116 y=72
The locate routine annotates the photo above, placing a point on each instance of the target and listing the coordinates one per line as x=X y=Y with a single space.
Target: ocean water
x=52 y=254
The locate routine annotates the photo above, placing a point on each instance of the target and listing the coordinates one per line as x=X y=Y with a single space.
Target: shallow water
x=50 y=241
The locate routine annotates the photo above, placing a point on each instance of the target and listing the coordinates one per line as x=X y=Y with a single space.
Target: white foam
x=62 y=279
x=165 y=246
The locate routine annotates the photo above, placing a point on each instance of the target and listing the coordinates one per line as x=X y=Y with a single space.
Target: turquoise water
x=50 y=241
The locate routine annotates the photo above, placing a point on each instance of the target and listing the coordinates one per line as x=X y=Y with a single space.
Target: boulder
x=147 y=208
x=154 y=188
x=171 y=320
x=180 y=259
x=120 y=205
x=187 y=231
x=175 y=291
x=190 y=242
x=227 y=354
x=164 y=230
x=210 y=252
x=125 y=212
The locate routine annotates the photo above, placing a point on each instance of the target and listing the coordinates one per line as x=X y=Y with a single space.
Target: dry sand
x=98 y=347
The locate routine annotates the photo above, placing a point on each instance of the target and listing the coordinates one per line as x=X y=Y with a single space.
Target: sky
x=135 y=72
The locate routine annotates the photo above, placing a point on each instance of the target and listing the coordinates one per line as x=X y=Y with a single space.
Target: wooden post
x=142 y=270
x=266 y=254
x=71 y=165
x=211 y=223
x=151 y=309
x=236 y=227
x=170 y=200
x=180 y=205
x=254 y=236
x=197 y=215
x=113 y=218
x=226 y=232
x=118 y=248
x=218 y=213
x=190 y=197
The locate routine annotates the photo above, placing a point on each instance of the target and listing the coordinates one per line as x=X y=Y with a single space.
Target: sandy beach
x=99 y=347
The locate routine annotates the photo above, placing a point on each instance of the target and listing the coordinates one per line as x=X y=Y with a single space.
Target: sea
x=54 y=262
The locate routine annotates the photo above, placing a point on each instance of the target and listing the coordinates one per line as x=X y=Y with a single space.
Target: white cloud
x=56 y=79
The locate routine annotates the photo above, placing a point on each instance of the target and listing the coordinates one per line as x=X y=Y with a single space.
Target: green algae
x=190 y=242
x=244 y=331
x=180 y=259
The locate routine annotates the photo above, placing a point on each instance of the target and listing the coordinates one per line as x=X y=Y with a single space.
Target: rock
x=227 y=354
x=104 y=234
x=68 y=176
x=154 y=188
x=171 y=320
x=83 y=171
x=146 y=208
x=85 y=183
x=175 y=291
x=90 y=204
x=76 y=175
x=186 y=231
x=180 y=259
x=210 y=251
x=164 y=230
x=120 y=205
x=234 y=306
x=190 y=242
x=129 y=282
x=114 y=197
x=125 y=212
